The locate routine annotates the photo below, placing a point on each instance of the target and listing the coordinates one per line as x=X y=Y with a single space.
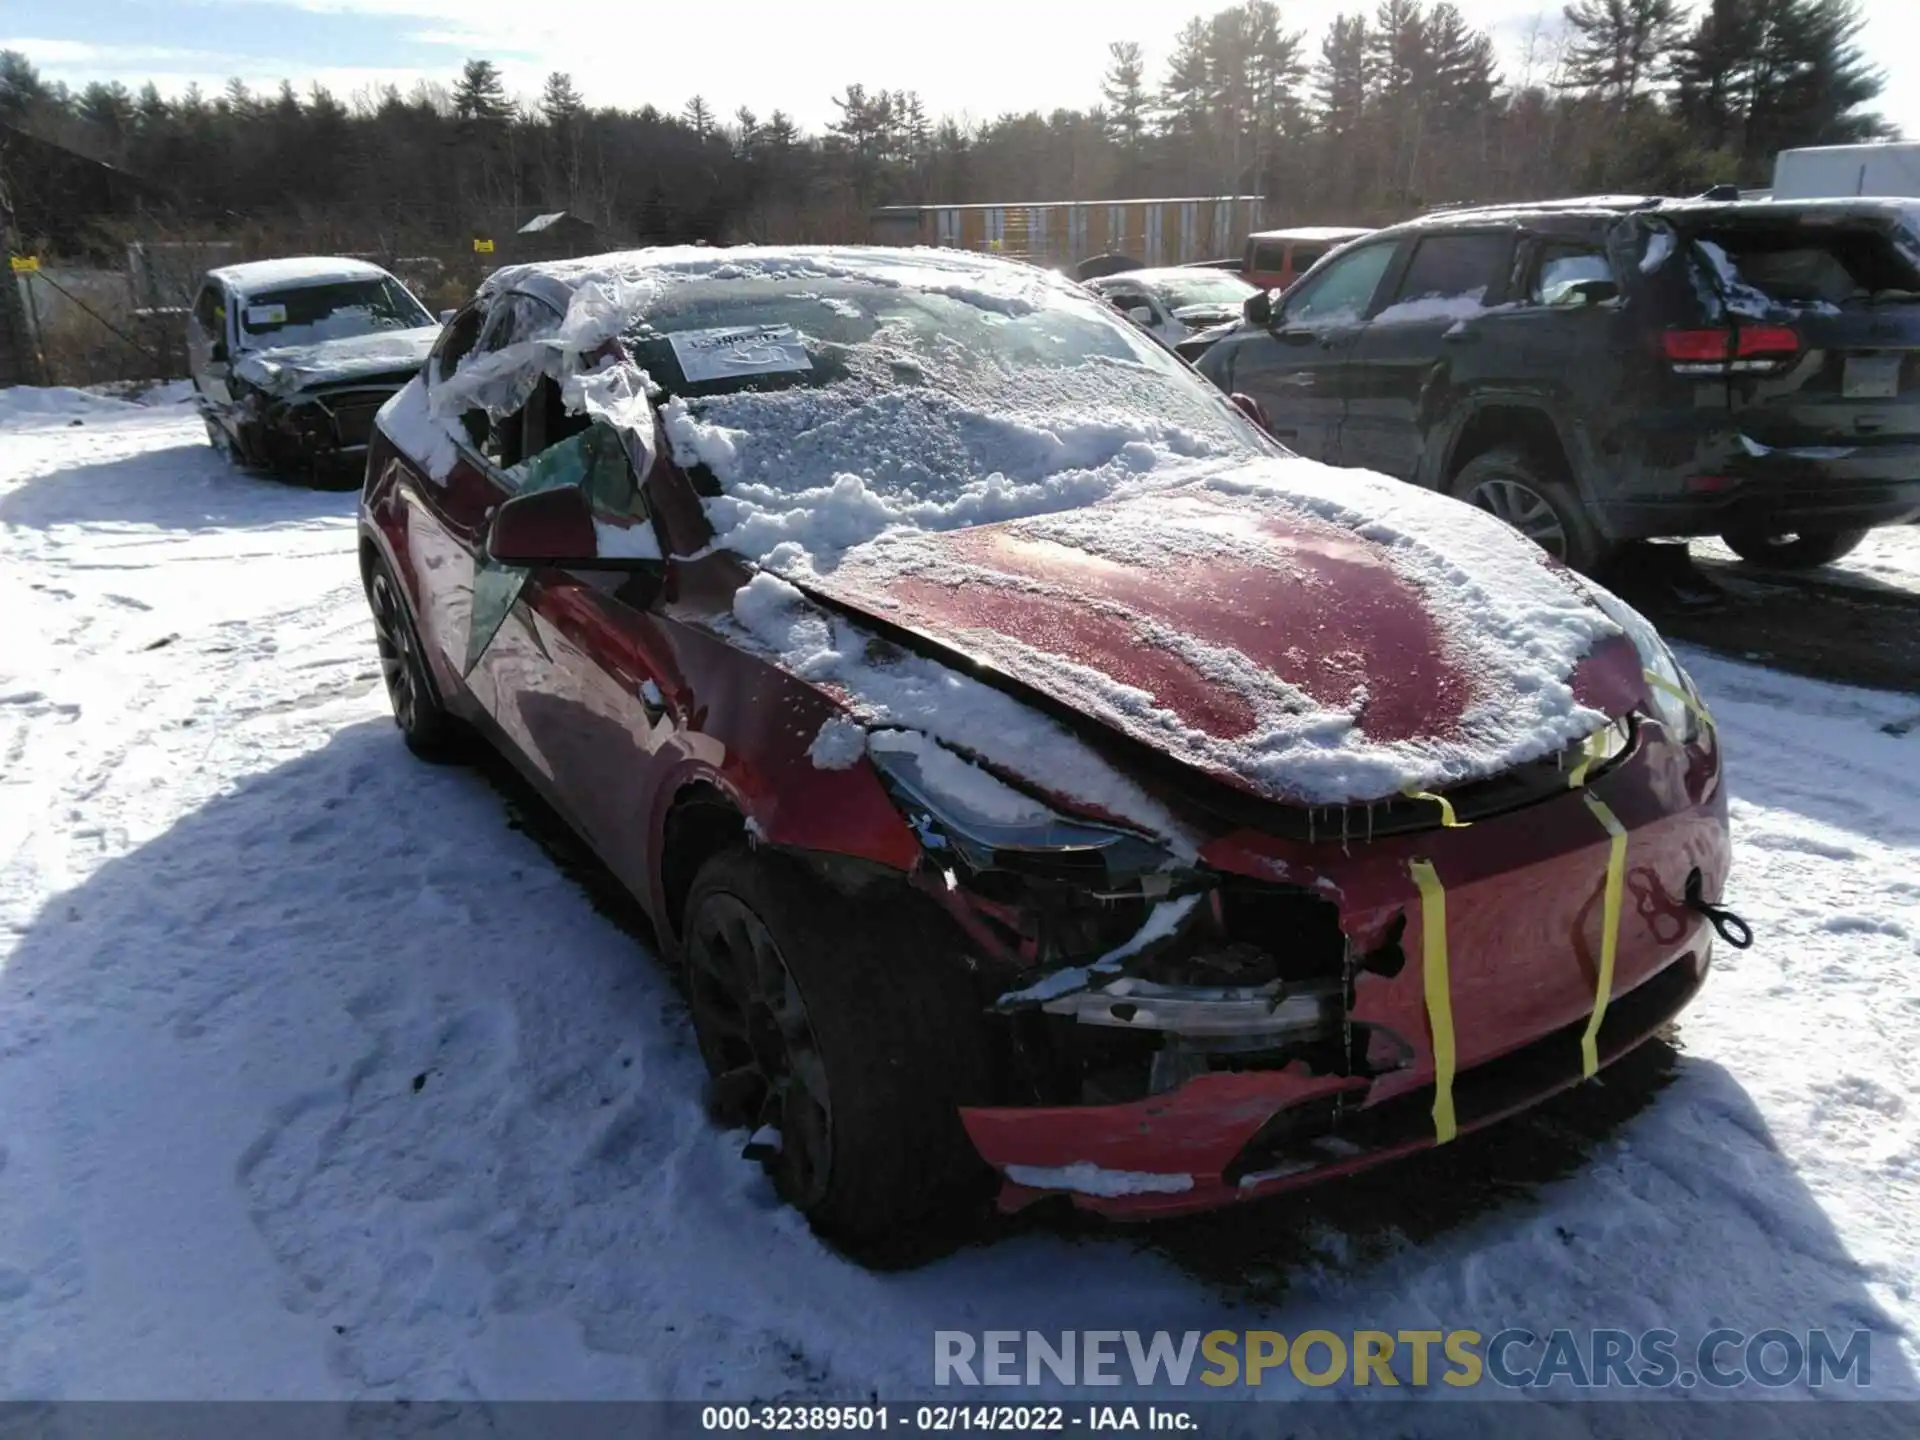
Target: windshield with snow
x=824 y=411
x=310 y=314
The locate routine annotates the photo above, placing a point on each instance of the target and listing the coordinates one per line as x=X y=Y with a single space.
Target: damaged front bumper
x=1145 y=1093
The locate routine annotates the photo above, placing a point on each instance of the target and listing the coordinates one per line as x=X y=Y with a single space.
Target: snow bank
x=29 y=406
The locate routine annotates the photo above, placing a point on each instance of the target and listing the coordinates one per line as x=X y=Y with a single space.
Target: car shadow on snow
x=184 y=487
x=462 y=1100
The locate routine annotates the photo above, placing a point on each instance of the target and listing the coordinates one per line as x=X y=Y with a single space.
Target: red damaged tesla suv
x=1038 y=776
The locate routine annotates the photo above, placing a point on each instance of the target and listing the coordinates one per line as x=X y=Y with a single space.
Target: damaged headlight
x=1671 y=696
x=958 y=808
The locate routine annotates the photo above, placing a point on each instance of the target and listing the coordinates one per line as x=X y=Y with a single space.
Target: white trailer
x=1822 y=171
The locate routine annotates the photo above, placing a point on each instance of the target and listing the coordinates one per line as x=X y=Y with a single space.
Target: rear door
x=1295 y=368
x=1410 y=359
x=1825 y=314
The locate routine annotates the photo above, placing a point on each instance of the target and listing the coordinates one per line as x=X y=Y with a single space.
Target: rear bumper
x=1742 y=485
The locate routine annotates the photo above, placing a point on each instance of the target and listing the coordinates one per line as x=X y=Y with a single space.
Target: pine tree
x=698 y=116
x=480 y=93
x=1342 y=75
x=1184 y=96
x=1617 y=46
x=21 y=88
x=1124 y=89
x=560 y=102
x=1461 y=82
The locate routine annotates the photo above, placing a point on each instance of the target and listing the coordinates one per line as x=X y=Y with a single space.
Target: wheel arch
x=702 y=820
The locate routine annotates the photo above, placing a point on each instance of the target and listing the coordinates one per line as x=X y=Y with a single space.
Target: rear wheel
x=1792 y=549
x=846 y=1047
x=430 y=731
x=1511 y=485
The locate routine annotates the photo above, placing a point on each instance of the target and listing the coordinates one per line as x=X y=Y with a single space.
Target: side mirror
x=1257 y=309
x=554 y=527
x=1140 y=314
x=1251 y=408
x=217 y=352
x=446 y=316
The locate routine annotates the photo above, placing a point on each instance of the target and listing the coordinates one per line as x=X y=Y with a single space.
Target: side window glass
x=595 y=459
x=1461 y=269
x=502 y=438
x=1565 y=271
x=1305 y=257
x=1269 y=257
x=1342 y=291
x=458 y=341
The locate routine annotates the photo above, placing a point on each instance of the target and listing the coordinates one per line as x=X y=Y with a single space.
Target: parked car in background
x=1176 y=304
x=1069 y=818
x=1599 y=371
x=291 y=358
x=1274 y=259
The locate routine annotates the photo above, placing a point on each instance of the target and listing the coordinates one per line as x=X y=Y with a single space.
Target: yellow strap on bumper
x=1609 y=929
x=1433 y=942
x=1448 y=820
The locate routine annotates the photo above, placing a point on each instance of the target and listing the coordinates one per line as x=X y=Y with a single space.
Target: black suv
x=1604 y=370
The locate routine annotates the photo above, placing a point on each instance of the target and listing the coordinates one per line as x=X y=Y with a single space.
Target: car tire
x=1793 y=550
x=856 y=1042
x=431 y=731
x=1511 y=484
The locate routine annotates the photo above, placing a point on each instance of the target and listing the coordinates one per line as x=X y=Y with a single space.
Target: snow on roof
x=1313 y=233
x=295 y=270
x=1160 y=274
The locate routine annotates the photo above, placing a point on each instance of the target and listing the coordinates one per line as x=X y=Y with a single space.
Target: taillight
x=1718 y=352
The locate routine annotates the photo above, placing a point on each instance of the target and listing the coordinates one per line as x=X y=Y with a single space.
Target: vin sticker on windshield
x=266 y=314
x=738 y=350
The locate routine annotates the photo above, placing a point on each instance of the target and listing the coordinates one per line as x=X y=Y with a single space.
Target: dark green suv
x=1596 y=371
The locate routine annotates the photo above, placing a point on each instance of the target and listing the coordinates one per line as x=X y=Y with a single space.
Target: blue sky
x=974 y=57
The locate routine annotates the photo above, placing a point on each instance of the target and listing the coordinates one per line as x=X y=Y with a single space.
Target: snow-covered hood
x=1307 y=634
x=293 y=368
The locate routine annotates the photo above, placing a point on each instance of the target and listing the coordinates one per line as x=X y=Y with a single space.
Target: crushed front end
x=1174 y=1035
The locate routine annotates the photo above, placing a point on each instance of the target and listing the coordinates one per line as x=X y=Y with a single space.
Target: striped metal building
x=1167 y=231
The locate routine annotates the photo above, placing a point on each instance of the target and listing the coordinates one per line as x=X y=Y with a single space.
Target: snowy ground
x=318 y=1079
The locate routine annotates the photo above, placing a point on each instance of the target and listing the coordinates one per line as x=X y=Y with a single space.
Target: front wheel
x=845 y=1044
x=1792 y=549
x=429 y=729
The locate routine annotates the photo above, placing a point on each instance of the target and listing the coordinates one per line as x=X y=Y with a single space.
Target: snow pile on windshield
x=887 y=687
x=808 y=473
